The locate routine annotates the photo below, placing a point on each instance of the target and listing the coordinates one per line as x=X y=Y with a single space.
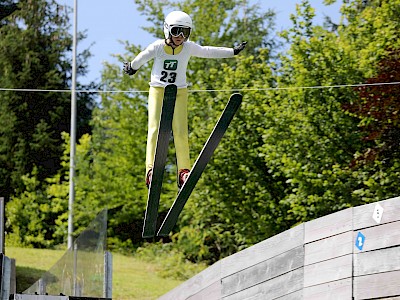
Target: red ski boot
x=183 y=175
x=149 y=177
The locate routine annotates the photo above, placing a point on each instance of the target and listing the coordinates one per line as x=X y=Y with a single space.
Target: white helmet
x=177 y=19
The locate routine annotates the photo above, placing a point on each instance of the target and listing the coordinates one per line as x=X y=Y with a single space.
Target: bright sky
x=108 y=22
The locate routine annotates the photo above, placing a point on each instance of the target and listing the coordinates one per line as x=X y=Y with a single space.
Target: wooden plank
x=340 y=289
x=379 y=261
x=390 y=298
x=363 y=214
x=262 y=251
x=327 y=226
x=298 y=295
x=211 y=292
x=329 y=248
x=272 y=289
x=263 y=271
x=327 y=271
x=379 y=237
x=377 y=285
x=195 y=284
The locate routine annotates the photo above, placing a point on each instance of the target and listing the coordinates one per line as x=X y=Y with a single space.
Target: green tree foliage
x=299 y=167
x=295 y=151
x=287 y=156
x=313 y=141
x=34 y=54
x=38 y=216
x=118 y=150
x=378 y=109
x=377 y=163
x=236 y=203
x=307 y=137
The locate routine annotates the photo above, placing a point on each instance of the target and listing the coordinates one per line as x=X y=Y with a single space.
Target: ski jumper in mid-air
x=171 y=56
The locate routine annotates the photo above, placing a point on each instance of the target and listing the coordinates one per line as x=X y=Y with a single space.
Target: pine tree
x=7 y=9
x=35 y=46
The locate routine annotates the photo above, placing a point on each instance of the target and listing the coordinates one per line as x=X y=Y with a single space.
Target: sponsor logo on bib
x=170 y=65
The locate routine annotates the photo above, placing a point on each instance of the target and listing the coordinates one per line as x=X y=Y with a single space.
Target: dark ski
x=200 y=164
x=164 y=133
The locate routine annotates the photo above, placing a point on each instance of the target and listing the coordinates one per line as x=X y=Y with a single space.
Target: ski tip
x=236 y=99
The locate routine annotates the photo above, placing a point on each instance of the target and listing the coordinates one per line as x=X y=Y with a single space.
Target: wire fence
x=207 y=90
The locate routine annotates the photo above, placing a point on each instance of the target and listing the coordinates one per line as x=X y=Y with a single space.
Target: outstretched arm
x=131 y=68
x=215 y=52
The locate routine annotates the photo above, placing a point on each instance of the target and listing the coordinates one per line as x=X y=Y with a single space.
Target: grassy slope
x=132 y=279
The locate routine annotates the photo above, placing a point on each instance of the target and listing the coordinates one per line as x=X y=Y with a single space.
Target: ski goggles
x=179 y=30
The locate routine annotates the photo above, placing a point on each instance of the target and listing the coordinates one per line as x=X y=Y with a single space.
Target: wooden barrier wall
x=351 y=254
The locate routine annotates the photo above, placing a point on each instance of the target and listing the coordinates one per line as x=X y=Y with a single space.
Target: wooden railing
x=351 y=254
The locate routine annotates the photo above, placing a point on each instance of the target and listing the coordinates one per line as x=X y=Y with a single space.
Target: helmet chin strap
x=170 y=41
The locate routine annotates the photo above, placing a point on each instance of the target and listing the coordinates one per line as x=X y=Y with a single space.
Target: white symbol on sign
x=378 y=212
x=360 y=240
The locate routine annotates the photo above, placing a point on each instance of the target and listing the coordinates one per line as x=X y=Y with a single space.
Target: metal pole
x=73 y=134
x=2 y=230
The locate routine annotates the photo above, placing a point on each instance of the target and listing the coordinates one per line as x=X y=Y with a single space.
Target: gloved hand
x=128 y=69
x=239 y=48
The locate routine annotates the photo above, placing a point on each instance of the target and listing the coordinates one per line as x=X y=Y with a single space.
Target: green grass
x=132 y=278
